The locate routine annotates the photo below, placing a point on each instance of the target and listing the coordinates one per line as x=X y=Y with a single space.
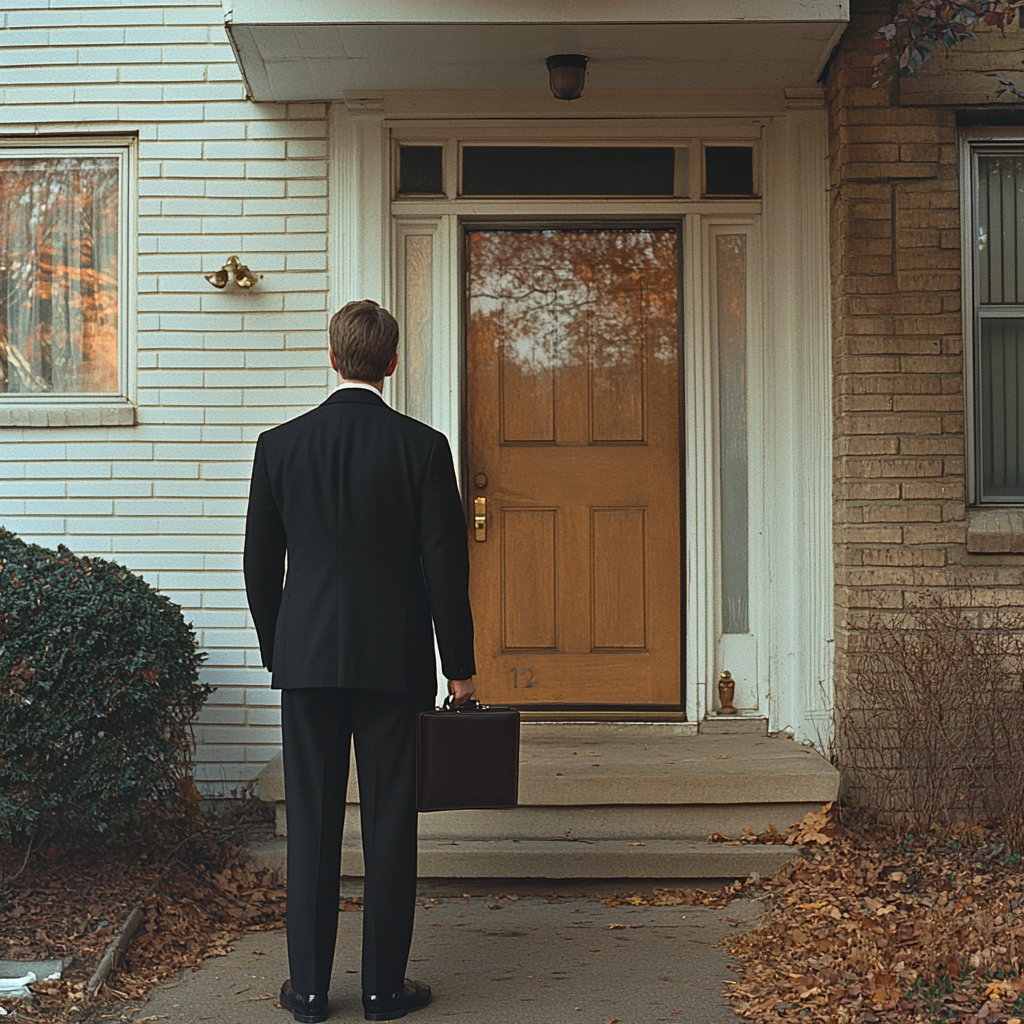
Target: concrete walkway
x=529 y=960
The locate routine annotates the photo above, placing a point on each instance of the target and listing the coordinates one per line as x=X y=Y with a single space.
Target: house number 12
x=522 y=678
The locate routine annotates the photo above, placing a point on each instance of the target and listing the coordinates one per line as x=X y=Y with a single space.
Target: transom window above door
x=479 y=169
x=62 y=268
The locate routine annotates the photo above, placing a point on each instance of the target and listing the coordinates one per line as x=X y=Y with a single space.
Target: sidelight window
x=418 y=323
x=731 y=322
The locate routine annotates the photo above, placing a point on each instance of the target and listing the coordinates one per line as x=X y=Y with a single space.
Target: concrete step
x=588 y=791
x=591 y=770
x=693 y=822
x=586 y=731
x=616 y=821
x=527 y=858
x=733 y=725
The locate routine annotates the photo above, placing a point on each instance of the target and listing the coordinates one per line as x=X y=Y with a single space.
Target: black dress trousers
x=318 y=725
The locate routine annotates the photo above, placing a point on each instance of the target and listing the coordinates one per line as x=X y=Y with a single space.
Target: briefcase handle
x=470 y=705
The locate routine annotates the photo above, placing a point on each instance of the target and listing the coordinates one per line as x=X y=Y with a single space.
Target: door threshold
x=602 y=716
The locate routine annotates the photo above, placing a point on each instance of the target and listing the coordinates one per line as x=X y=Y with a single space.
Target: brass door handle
x=480 y=518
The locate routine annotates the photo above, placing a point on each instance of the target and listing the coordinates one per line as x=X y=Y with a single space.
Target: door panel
x=527 y=400
x=530 y=574
x=618 y=578
x=573 y=439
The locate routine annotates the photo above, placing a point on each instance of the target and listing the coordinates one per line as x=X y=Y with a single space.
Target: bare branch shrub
x=930 y=723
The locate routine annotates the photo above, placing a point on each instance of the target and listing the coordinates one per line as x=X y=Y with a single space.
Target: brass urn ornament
x=726 y=692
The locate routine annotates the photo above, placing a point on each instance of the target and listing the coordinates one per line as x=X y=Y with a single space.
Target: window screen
x=999 y=325
x=567 y=171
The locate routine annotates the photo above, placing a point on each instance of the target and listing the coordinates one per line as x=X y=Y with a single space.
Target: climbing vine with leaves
x=911 y=38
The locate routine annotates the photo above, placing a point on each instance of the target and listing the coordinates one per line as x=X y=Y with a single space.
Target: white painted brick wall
x=217 y=175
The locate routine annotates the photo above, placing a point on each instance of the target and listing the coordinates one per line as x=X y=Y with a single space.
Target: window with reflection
x=731 y=316
x=417 y=336
x=582 y=321
x=59 y=273
x=999 y=323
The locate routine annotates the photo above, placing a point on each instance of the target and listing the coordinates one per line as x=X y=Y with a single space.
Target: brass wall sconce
x=243 y=276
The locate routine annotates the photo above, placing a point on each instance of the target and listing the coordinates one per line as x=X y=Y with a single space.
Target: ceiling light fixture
x=566 y=74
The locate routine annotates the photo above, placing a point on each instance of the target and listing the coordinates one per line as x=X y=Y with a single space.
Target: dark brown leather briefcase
x=467 y=758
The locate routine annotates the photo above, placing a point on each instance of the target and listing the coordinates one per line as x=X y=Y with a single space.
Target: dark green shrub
x=98 y=687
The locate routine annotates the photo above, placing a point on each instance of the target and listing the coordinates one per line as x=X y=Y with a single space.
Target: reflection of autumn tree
x=560 y=298
x=58 y=275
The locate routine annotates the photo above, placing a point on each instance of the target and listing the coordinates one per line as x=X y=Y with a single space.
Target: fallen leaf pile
x=863 y=929
x=677 y=897
x=816 y=827
x=71 y=907
x=931 y=929
x=194 y=915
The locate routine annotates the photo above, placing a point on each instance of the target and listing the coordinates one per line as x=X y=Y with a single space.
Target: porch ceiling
x=295 y=50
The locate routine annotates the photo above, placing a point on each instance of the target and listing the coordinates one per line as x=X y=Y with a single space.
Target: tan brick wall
x=900 y=476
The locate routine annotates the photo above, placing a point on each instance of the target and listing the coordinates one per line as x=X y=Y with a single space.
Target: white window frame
x=738 y=652
x=85 y=409
x=975 y=142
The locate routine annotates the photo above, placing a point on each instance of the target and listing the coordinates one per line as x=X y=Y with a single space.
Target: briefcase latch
x=480 y=518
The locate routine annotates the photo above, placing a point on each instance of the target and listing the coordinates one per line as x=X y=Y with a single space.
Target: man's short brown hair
x=364 y=339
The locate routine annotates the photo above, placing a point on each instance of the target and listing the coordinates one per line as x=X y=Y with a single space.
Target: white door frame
x=791 y=555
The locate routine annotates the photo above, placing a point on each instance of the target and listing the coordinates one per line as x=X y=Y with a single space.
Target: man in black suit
x=365 y=504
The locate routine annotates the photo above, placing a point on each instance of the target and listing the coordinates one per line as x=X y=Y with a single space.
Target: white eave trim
x=531 y=12
x=317 y=50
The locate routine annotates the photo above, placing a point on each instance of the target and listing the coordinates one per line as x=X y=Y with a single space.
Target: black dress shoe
x=306 y=1009
x=413 y=996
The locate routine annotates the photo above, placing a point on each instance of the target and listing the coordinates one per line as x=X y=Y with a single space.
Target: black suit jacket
x=365 y=503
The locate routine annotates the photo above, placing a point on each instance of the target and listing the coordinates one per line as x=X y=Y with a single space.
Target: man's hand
x=460 y=690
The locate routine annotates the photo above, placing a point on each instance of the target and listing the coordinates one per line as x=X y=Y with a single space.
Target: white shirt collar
x=357 y=384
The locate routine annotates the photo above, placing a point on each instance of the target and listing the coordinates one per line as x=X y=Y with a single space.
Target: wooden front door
x=573 y=442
